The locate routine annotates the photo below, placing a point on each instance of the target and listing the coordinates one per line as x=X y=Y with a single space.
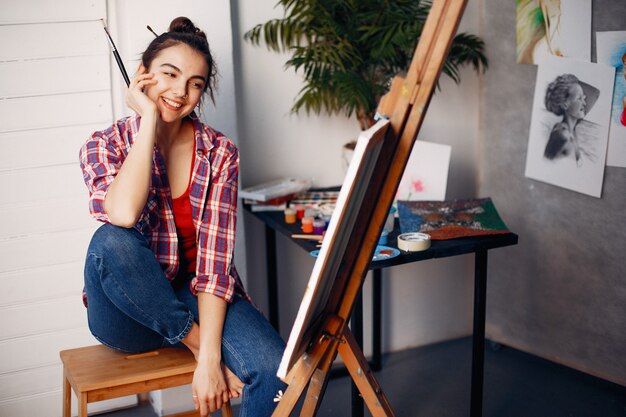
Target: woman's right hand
x=136 y=99
x=209 y=388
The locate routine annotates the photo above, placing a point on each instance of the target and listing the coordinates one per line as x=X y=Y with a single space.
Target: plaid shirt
x=213 y=198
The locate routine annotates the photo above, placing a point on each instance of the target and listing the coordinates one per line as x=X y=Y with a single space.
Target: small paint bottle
x=290 y=215
x=310 y=212
x=319 y=225
x=307 y=224
x=299 y=211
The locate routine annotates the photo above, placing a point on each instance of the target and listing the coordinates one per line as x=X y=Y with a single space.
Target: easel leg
x=377 y=301
x=320 y=359
x=318 y=383
x=364 y=379
x=314 y=394
x=356 y=327
x=297 y=385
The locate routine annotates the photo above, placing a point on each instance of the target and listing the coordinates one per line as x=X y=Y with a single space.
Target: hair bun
x=184 y=25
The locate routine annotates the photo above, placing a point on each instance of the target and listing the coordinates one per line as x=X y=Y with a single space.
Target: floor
x=433 y=381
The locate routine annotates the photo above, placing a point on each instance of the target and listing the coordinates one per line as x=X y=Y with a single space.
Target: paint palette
x=382 y=253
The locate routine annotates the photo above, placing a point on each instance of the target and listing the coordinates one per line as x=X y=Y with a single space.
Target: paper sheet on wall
x=569 y=126
x=553 y=28
x=611 y=50
x=426 y=174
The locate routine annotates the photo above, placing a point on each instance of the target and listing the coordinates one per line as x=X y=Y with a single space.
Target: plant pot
x=347 y=151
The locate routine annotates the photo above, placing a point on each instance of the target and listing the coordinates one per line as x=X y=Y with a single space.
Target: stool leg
x=82 y=404
x=67 y=395
x=227 y=410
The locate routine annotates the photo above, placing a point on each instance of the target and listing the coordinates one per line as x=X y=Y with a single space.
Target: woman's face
x=574 y=106
x=181 y=75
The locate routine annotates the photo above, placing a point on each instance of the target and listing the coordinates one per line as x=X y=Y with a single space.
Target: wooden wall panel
x=43 y=147
x=45 y=249
x=50 y=11
x=43 y=283
x=66 y=39
x=26 y=319
x=61 y=214
x=49 y=404
x=42 y=184
x=54 y=76
x=41 y=350
x=31 y=381
x=57 y=59
x=54 y=111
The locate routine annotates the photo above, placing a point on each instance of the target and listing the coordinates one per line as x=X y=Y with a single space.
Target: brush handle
x=121 y=65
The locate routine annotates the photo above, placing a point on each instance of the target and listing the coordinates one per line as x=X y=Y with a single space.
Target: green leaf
x=348 y=50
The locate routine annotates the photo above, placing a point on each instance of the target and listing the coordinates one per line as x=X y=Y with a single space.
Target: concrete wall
x=561 y=292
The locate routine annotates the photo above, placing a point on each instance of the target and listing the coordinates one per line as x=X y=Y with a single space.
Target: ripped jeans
x=132 y=307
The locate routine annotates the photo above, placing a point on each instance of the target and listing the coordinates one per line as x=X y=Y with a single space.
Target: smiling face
x=182 y=74
x=575 y=104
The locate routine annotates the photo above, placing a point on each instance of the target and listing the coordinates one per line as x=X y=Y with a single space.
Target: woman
x=160 y=271
x=565 y=97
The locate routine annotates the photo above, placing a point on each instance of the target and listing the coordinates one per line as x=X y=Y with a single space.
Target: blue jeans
x=134 y=308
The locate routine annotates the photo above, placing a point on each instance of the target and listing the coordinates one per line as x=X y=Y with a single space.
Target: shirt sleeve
x=100 y=163
x=216 y=241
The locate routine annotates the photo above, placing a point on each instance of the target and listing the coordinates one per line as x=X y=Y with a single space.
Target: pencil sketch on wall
x=569 y=126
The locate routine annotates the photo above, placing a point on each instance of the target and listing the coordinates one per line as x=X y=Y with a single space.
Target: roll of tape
x=413 y=242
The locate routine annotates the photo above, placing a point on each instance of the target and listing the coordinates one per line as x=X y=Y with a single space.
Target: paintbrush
x=120 y=64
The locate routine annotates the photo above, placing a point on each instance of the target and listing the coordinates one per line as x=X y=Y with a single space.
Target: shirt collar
x=203 y=137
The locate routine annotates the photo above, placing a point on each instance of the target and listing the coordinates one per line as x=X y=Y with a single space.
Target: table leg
x=478 y=339
x=356 y=325
x=377 y=300
x=67 y=395
x=272 y=275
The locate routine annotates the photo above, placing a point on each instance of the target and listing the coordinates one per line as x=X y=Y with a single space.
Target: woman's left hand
x=209 y=388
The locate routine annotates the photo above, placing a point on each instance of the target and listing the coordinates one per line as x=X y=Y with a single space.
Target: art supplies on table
x=290 y=215
x=451 y=219
x=382 y=253
x=275 y=189
x=307 y=224
x=316 y=198
x=322 y=201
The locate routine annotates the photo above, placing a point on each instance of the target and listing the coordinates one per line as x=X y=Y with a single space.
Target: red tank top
x=181 y=206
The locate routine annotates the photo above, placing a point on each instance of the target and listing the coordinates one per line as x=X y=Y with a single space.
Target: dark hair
x=182 y=30
x=558 y=92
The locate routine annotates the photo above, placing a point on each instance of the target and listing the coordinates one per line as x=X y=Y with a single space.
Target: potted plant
x=349 y=50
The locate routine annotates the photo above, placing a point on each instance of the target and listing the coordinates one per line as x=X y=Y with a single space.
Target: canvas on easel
x=320 y=331
x=335 y=242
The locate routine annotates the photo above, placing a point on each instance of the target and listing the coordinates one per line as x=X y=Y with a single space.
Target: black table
x=274 y=221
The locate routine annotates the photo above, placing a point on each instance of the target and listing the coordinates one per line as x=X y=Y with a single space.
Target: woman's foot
x=235 y=386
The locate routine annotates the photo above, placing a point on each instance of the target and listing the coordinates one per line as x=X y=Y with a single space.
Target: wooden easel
x=406 y=103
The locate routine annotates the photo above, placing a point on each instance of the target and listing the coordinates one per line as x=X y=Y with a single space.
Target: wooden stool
x=97 y=373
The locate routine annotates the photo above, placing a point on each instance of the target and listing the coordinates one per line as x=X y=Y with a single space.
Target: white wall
x=58 y=83
x=54 y=91
x=422 y=303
